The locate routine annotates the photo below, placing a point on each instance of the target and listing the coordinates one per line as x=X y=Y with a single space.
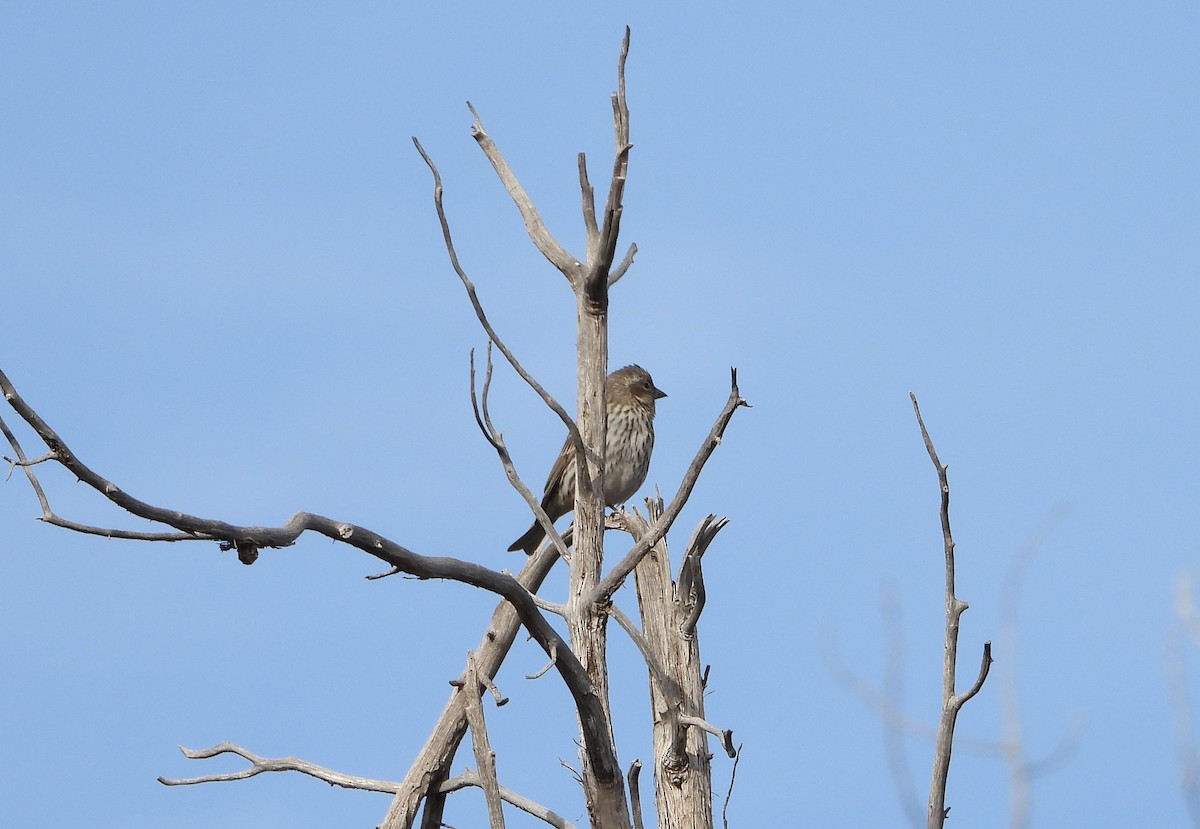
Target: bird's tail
x=529 y=542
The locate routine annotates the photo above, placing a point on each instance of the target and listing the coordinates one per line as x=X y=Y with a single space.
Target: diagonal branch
x=612 y=582
x=541 y=236
x=471 y=778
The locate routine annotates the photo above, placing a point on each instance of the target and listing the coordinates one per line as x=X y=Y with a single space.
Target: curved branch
x=621 y=269
x=725 y=735
x=635 y=794
x=493 y=436
x=263 y=764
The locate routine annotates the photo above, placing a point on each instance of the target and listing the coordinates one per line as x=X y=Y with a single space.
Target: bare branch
x=557 y=608
x=471 y=778
x=655 y=667
x=494 y=437
x=589 y=210
x=262 y=764
x=597 y=279
x=951 y=704
x=622 y=268
x=541 y=236
x=616 y=577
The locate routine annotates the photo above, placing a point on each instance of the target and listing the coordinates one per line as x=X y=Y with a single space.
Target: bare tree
x=669 y=607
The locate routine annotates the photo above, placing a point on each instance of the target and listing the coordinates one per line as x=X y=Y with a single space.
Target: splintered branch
x=609 y=585
x=484 y=755
x=690 y=586
x=262 y=764
x=588 y=194
x=951 y=703
x=635 y=793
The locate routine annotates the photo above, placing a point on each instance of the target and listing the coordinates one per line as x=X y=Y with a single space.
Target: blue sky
x=225 y=286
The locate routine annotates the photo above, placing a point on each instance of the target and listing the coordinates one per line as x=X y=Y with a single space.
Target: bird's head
x=632 y=384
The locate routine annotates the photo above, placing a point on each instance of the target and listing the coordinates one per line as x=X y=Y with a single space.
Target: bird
x=630 y=394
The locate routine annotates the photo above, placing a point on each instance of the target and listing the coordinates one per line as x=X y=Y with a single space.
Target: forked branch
x=258 y=765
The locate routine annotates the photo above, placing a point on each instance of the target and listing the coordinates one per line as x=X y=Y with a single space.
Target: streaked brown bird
x=629 y=399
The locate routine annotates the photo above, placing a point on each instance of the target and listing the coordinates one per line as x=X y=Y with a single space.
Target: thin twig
x=729 y=794
x=547 y=667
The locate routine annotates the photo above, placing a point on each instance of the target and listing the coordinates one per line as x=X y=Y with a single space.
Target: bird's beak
x=657 y=392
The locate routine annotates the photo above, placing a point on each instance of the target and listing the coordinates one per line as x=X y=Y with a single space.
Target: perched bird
x=630 y=394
